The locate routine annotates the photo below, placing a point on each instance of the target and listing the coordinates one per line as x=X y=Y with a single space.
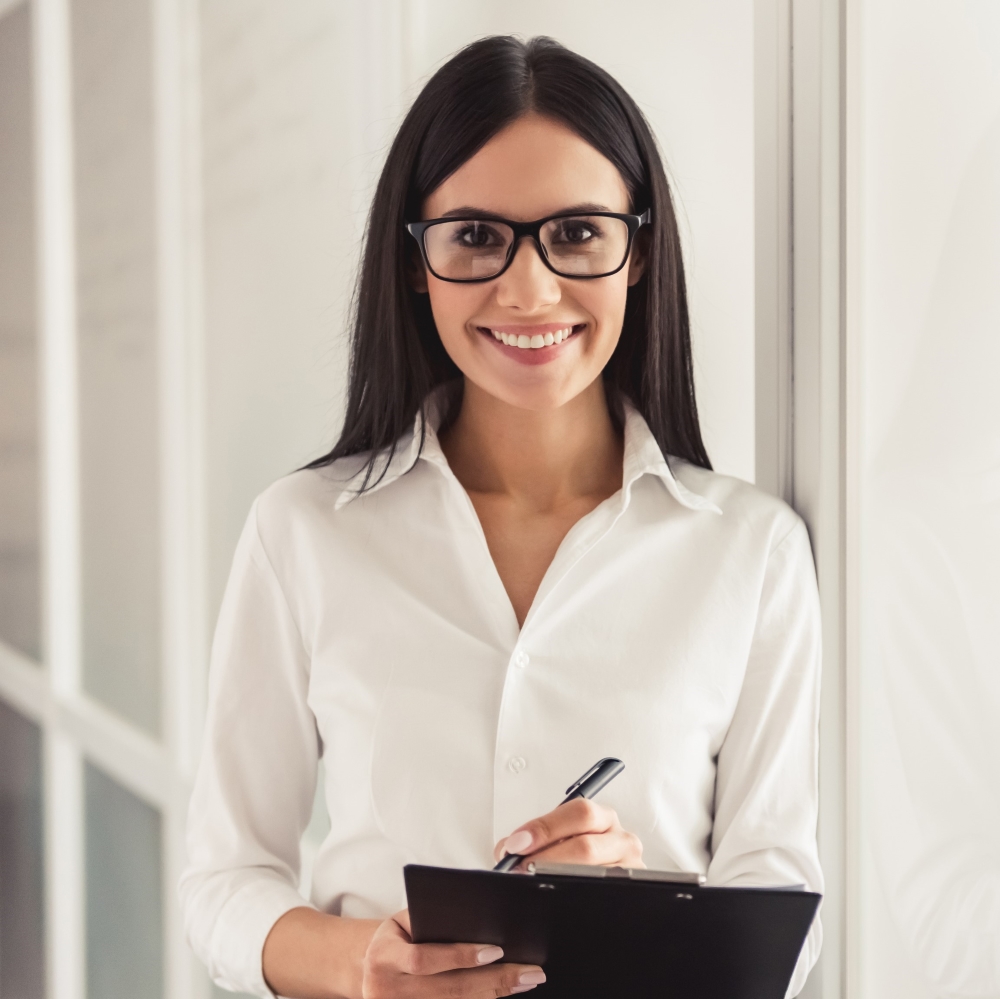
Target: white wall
x=928 y=263
x=280 y=241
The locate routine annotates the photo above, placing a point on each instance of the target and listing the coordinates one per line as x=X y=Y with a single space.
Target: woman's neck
x=540 y=459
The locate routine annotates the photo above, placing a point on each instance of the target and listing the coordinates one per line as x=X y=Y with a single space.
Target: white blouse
x=677 y=628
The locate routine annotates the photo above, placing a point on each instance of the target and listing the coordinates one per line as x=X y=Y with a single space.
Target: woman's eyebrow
x=467 y=211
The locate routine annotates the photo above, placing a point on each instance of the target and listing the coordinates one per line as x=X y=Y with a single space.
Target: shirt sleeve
x=254 y=787
x=766 y=796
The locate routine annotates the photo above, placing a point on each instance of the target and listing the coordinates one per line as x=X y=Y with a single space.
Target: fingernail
x=531 y=977
x=487 y=955
x=518 y=842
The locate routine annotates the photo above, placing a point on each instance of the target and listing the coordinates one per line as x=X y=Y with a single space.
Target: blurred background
x=183 y=190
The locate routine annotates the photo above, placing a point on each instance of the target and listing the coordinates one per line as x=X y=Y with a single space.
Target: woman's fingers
x=578 y=817
x=397 y=950
x=397 y=968
x=616 y=848
x=503 y=980
x=433 y=959
x=487 y=983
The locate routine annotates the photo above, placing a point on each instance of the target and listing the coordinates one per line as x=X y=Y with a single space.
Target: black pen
x=601 y=773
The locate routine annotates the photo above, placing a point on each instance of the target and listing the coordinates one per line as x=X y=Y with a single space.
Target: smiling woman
x=515 y=560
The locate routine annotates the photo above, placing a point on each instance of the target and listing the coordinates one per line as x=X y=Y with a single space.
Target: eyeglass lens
x=581 y=246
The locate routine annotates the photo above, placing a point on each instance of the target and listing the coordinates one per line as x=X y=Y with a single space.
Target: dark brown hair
x=396 y=354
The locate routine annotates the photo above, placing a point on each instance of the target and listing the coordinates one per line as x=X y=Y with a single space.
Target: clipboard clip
x=623 y=873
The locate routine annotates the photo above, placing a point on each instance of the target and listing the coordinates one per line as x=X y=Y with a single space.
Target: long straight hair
x=397 y=357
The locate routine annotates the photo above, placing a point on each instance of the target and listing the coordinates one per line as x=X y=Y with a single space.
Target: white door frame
x=806 y=387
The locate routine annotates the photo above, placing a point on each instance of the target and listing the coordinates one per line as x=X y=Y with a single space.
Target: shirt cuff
x=241 y=929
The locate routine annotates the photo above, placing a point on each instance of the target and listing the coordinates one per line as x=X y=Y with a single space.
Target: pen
x=601 y=773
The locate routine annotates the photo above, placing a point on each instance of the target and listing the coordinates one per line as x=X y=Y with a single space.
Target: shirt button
x=516 y=764
x=521 y=659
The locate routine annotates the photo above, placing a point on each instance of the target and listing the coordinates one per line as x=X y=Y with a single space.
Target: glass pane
x=929 y=483
x=22 y=943
x=124 y=892
x=19 y=559
x=113 y=133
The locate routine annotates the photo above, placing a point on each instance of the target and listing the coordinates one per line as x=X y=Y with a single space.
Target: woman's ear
x=416 y=272
x=639 y=256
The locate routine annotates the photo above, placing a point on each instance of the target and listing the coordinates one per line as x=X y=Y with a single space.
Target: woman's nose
x=527 y=285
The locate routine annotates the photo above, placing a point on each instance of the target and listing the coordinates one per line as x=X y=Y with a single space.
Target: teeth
x=533 y=342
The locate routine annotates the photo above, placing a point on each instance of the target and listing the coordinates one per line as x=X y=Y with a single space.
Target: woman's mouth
x=532 y=344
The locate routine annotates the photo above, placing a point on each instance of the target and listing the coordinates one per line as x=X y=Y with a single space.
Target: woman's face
x=533 y=168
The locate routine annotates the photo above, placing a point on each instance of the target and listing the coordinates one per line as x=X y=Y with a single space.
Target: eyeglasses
x=468 y=249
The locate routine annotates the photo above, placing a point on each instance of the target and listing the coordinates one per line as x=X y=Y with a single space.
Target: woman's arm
x=766 y=797
x=311 y=955
x=256 y=779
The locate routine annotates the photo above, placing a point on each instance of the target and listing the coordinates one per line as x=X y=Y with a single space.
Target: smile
x=532 y=340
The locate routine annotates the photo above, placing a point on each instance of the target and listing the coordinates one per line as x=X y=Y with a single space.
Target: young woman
x=515 y=560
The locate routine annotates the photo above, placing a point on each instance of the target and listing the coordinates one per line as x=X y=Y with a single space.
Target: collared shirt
x=677 y=628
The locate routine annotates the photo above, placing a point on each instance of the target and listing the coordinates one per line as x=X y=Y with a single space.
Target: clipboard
x=615 y=933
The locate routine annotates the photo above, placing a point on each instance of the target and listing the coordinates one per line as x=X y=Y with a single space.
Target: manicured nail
x=487 y=955
x=531 y=977
x=519 y=842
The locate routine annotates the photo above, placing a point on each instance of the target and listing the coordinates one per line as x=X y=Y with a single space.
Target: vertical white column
x=65 y=940
x=853 y=240
x=818 y=402
x=64 y=872
x=176 y=74
x=177 y=156
x=773 y=246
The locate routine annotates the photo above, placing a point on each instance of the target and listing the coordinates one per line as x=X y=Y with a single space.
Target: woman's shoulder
x=741 y=503
x=309 y=495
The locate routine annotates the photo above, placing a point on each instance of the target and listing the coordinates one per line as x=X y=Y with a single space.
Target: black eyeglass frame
x=532 y=229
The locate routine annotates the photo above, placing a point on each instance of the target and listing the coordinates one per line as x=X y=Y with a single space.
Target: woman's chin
x=532 y=393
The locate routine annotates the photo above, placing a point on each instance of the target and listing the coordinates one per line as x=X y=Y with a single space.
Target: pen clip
x=590 y=773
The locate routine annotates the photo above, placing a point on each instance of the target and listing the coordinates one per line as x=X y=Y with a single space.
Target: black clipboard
x=615 y=934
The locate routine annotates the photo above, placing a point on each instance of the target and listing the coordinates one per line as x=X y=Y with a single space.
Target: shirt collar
x=642 y=457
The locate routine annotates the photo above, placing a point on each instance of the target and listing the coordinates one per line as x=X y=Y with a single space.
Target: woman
x=515 y=560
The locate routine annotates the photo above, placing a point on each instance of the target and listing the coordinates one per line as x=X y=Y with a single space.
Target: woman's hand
x=397 y=968
x=579 y=832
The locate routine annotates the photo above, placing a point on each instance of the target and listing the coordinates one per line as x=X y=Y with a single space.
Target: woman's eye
x=476 y=236
x=576 y=232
